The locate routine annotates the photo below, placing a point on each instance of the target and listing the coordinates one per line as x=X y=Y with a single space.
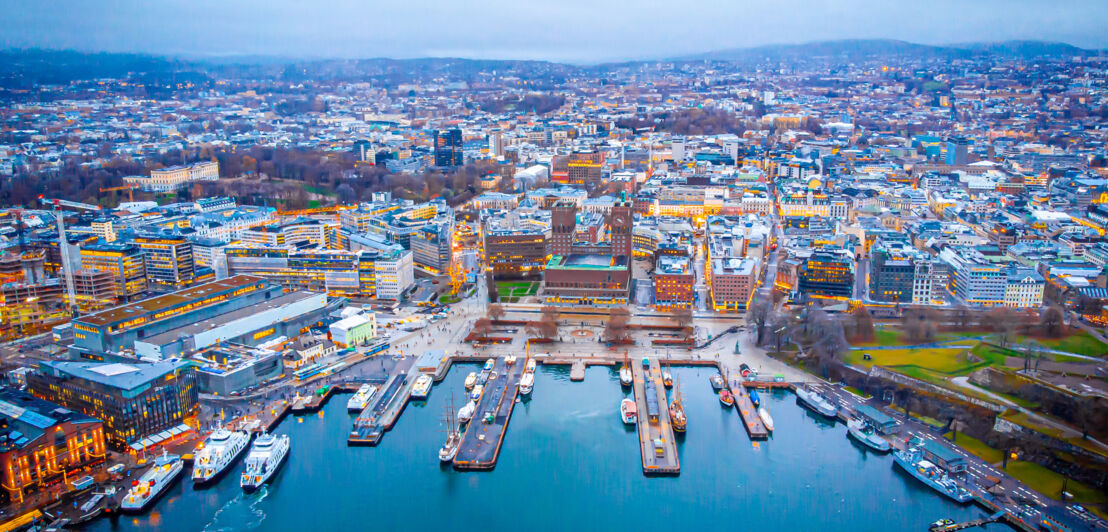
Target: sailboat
x=625 y=377
x=453 y=436
x=677 y=410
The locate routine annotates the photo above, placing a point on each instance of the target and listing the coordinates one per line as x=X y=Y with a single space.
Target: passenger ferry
x=218 y=452
x=816 y=402
x=912 y=461
x=266 y=456
x=361 y=398
x=152 y=484
x=422 y=387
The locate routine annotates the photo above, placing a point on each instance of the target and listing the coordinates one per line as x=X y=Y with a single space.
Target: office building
x=585 y=169
x=515 y=244
x=124 y=262
x=448 y=148
x=43 y=444
x=384 y=273
x=673 y=283
x=432 y=246
x=224 y=369
x=892 y=270
x=133 y=401
x=827 y=273
x=167 y=261
x=596 y=280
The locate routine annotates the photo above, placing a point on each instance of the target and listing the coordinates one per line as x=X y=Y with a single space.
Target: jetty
x=313 y=402
x=969 y=524
x=749 y=414
x=484 y=435
x=577 y=371
x=656 y=441
x=382 y=412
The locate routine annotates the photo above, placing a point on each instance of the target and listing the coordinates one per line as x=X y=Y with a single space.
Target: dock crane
x=63 y=244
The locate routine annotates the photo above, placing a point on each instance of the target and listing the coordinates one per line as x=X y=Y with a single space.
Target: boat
x=755 y=398
x=667 y=378
x=467 y=411
x=526 y=383
x=941 y=524
x=717 y=382
x=266 y=456
x=476 y=393
x=625 y=377
x=510 y=360
x=726 y=398
x=471 y=379
x=863 y=433
x=745 y=370
x=628 y=411
x=422 y=387
x=530 y=367
x=816 y=402
x=218 y=452
x=361 y=398
x=489 y=364
x=913 y=462
x=766 y=419
x=453 y=436
x=677 y=417
x=153 y=483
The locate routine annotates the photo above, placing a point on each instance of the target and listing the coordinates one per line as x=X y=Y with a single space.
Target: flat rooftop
x=113 y=374
x=586 y=262
x=162 y=302
x=192 y=329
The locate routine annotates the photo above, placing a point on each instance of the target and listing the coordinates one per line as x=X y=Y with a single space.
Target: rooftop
x=155 y=304
x=113 y=374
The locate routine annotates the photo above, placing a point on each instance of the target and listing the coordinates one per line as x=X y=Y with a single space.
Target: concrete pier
x=381 y=414
x=656 y=441
x=749 y=414
x=484 y=435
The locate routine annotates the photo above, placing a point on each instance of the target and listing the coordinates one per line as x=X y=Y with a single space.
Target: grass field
x=950 y=361
x=1080 y=342
x=977 y=448
x=1049 y=483
x=320 y=190
x=512 y=291
x=857 y=392
x=927 y=420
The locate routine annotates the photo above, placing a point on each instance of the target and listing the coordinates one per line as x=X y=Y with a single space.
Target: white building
x=1024 y=289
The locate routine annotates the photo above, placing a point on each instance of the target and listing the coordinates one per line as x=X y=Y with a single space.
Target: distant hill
x=858 y=49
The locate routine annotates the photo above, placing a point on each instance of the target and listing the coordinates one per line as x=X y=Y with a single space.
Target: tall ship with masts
x=453 y=435
x=677 y=409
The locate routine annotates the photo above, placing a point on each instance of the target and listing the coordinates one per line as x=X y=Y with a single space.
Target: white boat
x=864 y=434
x=471 y=379
x=510 y=359
x=476 y=393
x=489 y=364
x=453 y=437
x=153 y=483
x=526 y=383
x=625 y=377
x=628 y=411
x=361 y=398
x=467 y=411
x=422 y=387
x=766 y=419
x=530 y=367
x=266 y=456
x=816 y=402
x=219 y=451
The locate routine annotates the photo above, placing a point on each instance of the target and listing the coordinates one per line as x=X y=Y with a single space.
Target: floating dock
x=312 y=403
x=381 y=414
x=655 y=432
x=577 y=371
x=753 y=422
x=485 y=433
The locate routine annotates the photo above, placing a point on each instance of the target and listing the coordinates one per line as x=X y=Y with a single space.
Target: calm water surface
x=567 y=462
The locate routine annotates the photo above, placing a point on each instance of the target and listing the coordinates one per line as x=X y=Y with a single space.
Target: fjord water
x=567 y=462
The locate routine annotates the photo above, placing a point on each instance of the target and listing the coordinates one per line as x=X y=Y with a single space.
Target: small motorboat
x=754 y=398
x=625 y=377
x=667 y=379
x=717 y=382
x=628 y=411
x=726 y=398
x=471 y=379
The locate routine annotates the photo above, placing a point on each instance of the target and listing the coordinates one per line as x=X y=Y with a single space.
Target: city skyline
x=575 y=32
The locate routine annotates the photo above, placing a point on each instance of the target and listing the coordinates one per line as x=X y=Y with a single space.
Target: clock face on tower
x=618 y=220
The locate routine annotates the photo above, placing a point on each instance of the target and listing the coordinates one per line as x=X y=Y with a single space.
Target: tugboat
x=677 y=411
x=913 y=462
x=717 y=382
x=266 y=456
x=863 y=433
x=152 y=484
x=816 y=402
x=219 y=451
x=726 y=398
x=628 y=411
x=453 y=436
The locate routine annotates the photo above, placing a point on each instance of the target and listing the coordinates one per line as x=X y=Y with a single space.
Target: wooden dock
x=381 y=414
x=648 y=381
x=749 y=414
x=484 y=435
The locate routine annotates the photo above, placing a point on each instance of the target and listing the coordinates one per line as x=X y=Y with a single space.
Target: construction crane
x=63 y=244
x=129 y=187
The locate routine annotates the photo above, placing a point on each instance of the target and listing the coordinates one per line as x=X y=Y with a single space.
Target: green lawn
x=857 y=392
x=942 y=359
x=511 y=291
x=1049 y=483
x=447 y=299
x=977 y=448
x=320 y=190
x=1080 y=342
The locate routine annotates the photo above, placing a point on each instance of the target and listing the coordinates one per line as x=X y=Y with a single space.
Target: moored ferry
x=152 y=484
x=219 y=451
x=361 y=398
x=422 y=387
x=266 y=456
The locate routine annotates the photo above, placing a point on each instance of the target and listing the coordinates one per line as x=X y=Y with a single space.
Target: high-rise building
x=448 y=148
x=892 y=270
x=496 y=143
x=827 y=273
x=957 y=152
x=168 y=262
x=677 y=150
x=364 y=152
x=124 y=262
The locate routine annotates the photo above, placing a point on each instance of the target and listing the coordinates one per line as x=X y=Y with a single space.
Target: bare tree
x=919 y=324
x=863 y=324
x=1005 y=322
x=496 y=312
x=548 y=324
x=615 y=330
x=482 y=327
x=1053 y=321
x=758 y=312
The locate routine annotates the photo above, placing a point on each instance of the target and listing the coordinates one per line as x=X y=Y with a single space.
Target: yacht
x=471 y=379
x=266 y=456
x=361 y=398
x=766 y=419
x=467 y=411
x=153 y=483
x=628 y=411
x=476 y=393
x=219 y=451
x=422 y=387
x=526 y=383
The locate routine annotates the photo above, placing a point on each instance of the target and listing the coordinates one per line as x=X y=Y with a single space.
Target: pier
x=380 y=415
x=577 y=371
x=312 y=403
x=969 y=524
x=484 y=435
x=753 y=422
x=656 y=441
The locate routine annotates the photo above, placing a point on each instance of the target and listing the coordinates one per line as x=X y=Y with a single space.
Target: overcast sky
x=559 y=30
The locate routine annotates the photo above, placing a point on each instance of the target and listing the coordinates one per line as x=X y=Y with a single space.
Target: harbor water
x=567 y=462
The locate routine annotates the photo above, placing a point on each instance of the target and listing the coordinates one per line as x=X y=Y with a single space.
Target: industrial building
x=226 y=368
